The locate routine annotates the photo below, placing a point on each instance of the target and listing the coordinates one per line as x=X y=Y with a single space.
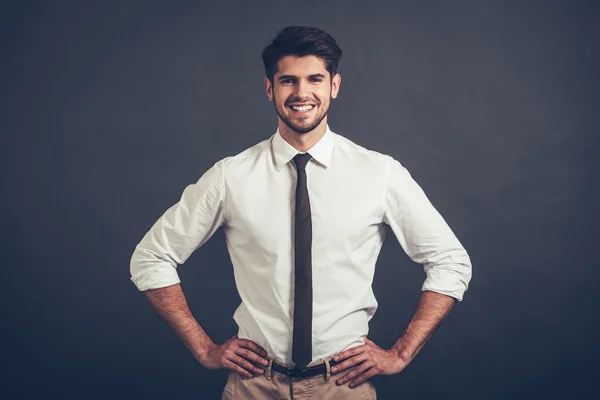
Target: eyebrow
x=284 y=77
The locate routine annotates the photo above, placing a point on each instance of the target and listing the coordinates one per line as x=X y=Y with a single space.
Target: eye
x=316 y=80
x=287 y=81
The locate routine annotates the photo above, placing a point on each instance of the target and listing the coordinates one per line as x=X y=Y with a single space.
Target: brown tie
x=303 y=301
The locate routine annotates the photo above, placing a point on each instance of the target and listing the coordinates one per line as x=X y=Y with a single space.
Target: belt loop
x=327 y=369
x=268 y=371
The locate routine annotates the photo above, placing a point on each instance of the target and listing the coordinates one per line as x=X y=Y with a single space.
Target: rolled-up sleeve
x=424 y=234
x=181 y=230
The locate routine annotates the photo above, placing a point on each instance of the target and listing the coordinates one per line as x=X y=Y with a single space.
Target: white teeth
x=302 y=108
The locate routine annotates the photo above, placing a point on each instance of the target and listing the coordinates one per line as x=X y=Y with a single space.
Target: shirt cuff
x=156 y=277
x=446 y=281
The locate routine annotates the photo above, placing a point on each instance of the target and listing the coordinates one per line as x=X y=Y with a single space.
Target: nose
x=302 y=89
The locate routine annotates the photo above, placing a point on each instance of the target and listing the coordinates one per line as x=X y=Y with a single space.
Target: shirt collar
x=321 y=151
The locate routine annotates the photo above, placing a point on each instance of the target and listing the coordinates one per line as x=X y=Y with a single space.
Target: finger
x=351 y=362
x=245 y=364
x=249 y=344
x=239 y=370
x=354 y=372
x=362 y=378
x=349 y=353
x=251 y=356
x=368 y=341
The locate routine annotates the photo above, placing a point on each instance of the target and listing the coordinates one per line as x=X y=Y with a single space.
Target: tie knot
x=301 y=160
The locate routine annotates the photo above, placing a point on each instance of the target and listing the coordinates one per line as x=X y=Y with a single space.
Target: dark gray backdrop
x=109 y=109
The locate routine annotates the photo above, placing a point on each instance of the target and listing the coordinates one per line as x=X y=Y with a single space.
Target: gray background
x=109 y=109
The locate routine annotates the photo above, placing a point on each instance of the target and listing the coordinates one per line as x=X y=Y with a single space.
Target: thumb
x=368 y=341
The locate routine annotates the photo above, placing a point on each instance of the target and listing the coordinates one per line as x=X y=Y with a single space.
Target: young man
x=303 y=214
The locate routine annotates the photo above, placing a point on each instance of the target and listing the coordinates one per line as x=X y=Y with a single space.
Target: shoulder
x=356 y=152
x=231 y=163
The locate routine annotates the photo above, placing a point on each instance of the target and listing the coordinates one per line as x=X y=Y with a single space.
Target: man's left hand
x=368 y=360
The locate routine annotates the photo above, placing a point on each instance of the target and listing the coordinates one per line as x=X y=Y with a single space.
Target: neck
x=302 y=141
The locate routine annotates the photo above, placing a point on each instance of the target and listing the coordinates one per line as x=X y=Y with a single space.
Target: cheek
x=324 y=98
x=281 y=96
x=324 y=94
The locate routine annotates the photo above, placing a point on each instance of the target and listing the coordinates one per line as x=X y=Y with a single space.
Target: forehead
x=301 y=66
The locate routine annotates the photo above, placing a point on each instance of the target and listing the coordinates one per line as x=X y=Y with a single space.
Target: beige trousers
x=276 y=386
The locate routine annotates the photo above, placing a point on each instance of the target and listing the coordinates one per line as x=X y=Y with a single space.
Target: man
x=304 y=216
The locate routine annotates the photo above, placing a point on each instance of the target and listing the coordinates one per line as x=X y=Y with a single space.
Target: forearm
x=170 y=303
x=432 y=309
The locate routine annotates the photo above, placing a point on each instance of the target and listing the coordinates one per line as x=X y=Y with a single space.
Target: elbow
x=148 y=271
x=449 y=279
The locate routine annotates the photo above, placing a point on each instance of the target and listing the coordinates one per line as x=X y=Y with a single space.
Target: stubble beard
x=296 y=128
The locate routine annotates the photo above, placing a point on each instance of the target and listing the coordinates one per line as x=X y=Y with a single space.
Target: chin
x=303 y=129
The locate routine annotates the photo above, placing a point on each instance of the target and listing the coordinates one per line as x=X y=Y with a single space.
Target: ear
x=269 y=89
x=335 y=85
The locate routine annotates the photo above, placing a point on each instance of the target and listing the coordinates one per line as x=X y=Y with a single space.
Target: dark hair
x=301 y=41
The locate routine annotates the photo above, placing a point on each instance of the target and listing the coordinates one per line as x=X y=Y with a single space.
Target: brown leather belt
x=305 y=372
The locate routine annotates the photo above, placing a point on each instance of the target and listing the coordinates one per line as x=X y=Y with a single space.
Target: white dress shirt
x=353 y=192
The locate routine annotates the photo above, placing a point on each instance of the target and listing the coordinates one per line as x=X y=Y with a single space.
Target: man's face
x=302 y=91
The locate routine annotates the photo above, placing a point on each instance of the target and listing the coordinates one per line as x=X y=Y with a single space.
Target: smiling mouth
x=302 y=108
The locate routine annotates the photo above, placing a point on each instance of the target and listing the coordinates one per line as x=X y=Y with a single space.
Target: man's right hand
x=239 y=355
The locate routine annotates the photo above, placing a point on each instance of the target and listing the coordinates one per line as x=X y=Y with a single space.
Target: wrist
x=202 y=352
x=403 y=352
